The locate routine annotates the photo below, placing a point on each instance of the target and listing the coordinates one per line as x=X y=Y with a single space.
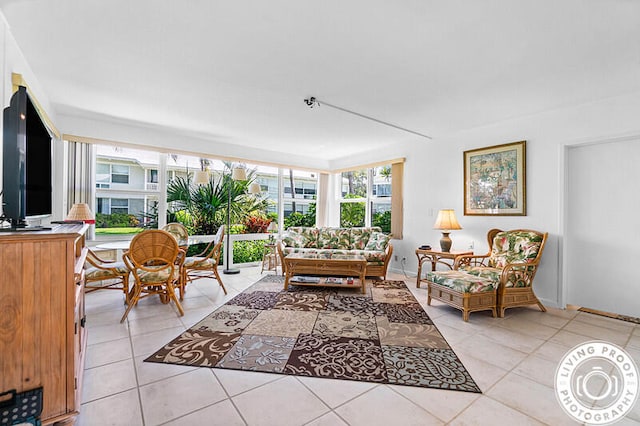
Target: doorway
x=602 y=232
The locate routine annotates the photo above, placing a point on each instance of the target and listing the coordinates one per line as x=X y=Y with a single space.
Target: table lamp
x=81 y=212
x=446 y=222
x=272 y=229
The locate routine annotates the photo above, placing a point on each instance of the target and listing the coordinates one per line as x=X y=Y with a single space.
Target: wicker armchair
x=98 y=270
x=500 y=279
x=155 y=260
x=205 y=264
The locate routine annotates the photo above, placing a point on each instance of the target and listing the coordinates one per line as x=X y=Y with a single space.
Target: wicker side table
x=270 y=259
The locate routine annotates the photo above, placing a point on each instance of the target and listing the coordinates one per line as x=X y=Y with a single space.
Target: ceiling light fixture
x=314 y=102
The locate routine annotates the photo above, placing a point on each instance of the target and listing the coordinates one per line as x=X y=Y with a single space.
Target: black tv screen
x=38 y=165
x=26 y=180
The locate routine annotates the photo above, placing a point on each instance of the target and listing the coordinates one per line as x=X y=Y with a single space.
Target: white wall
x=434 y=179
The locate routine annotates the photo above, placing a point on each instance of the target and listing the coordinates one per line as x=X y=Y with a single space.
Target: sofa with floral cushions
x=369 y=242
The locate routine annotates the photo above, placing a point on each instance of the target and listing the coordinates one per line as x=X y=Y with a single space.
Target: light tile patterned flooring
x=513 y=360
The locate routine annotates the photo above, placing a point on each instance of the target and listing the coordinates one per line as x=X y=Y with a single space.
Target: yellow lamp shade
x=447 y=220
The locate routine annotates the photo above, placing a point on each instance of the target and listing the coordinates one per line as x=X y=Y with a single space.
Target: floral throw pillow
x=293 y=239
x=377 y=241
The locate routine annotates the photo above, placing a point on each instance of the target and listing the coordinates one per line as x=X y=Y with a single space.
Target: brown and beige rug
x=383 y=336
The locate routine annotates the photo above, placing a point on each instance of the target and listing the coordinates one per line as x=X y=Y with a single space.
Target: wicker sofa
x=369 y=242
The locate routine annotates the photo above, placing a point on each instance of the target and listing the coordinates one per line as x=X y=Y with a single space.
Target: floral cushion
x=291 y=238
x=198 y=262
x=377 y=241
x=513 y=247
x=334 y=238
x=483 y=272
x=310 y=235
x=461 y=281
x=289 y=250
x=158 y=274
x=372 y=256
x=360 y=237
x=92 y=273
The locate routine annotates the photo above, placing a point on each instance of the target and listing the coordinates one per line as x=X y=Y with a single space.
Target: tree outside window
x=366 y=198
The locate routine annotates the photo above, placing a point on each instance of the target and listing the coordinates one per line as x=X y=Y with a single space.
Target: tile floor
x=513 y=360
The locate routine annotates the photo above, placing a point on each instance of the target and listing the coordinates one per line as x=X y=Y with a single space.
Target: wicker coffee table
x=326 y=265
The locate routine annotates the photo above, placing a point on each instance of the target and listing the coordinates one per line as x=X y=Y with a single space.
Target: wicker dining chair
x=98 y=270
x=205 y=264
x=155 y=261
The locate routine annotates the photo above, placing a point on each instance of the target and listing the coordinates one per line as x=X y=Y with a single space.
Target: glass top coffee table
x=326 y=270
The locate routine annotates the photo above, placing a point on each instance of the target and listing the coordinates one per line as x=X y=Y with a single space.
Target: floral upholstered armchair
x=500 y=279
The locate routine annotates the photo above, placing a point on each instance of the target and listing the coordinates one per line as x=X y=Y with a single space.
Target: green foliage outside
x=116 y=220
x=243 y=251
x=352 y=214
x=117 y=231
x=383 y=220
x=248 y=251
x=301 y=219
x=203 y=208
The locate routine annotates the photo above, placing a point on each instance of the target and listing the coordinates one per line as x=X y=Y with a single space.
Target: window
x=103 y=175
x=119 y=205
x=119 y=173
x=128 y=182
x=106 y=174
x=299 y=204
x=366 y=198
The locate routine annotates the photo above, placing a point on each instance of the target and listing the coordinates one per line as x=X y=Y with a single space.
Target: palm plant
x=203 y=208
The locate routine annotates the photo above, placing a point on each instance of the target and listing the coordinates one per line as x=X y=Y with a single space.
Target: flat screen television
x=26 y=168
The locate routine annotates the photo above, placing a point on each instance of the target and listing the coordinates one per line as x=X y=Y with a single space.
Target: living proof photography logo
x=597 y=383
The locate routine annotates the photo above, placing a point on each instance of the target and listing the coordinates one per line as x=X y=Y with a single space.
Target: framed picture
x=495 y=180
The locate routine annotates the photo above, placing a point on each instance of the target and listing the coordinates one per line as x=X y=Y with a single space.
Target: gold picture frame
x=495 y=180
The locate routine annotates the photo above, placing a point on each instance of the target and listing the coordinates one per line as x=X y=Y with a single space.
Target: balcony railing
x=200 y=239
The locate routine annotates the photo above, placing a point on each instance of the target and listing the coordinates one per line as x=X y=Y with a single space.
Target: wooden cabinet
x=42 y=333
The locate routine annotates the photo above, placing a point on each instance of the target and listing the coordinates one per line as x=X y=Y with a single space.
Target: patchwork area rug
x=383 y=336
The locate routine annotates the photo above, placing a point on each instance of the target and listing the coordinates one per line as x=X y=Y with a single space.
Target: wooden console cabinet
x=42 y=333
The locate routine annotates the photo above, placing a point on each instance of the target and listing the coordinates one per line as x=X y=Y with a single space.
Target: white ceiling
x=236 y=72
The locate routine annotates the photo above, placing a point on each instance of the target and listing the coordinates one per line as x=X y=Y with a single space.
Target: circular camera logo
x=597 y=383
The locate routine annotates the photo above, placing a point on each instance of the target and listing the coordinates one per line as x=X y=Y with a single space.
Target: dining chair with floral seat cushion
x=155 y=261
x=180 y=232
x=205 y=264
x=98 y=270
x=500 y=279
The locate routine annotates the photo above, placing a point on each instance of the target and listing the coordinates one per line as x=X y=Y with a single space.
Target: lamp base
x=231 y=271
x=445 y=242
